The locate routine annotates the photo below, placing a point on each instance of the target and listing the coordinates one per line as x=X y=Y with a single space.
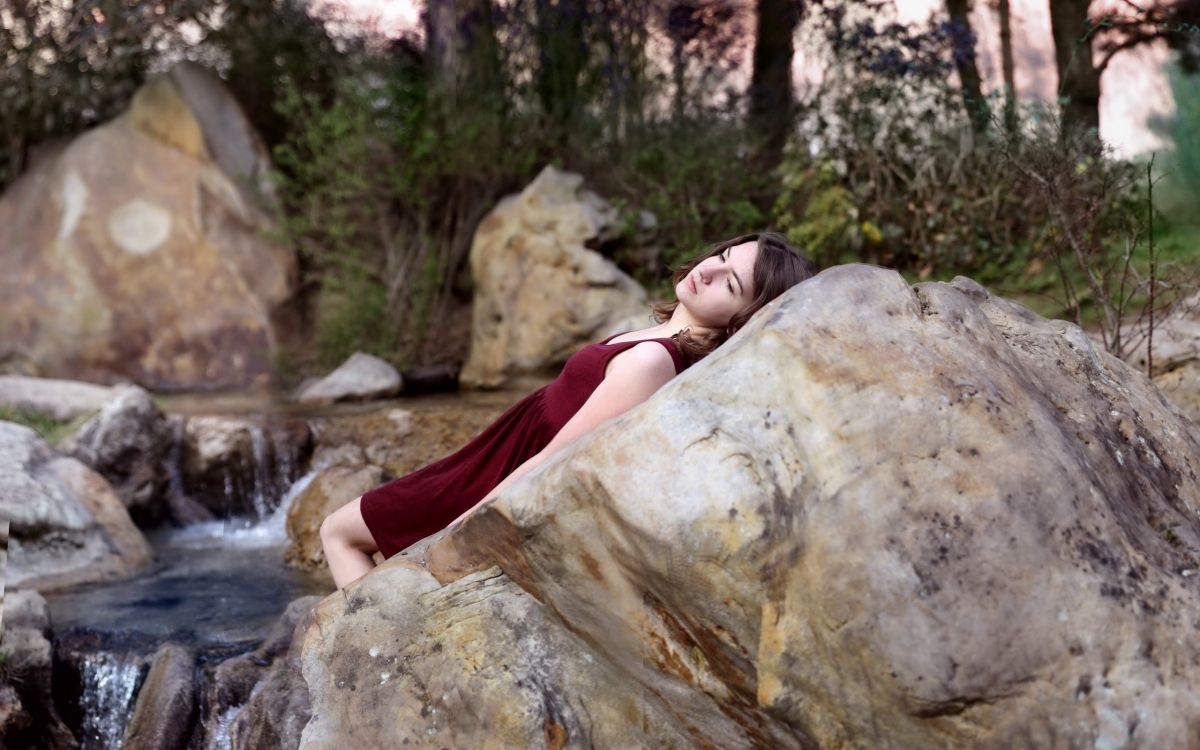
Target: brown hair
x=778 y=267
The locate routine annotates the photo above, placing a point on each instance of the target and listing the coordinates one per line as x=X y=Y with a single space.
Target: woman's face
x=720 y=286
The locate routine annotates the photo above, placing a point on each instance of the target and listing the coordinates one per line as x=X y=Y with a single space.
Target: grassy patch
x=50 y=429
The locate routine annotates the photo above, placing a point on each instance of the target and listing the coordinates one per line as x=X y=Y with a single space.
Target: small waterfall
x=174 y=459
x=110 y=682
x=220 y=738
x=246 y=467
x=270 y=530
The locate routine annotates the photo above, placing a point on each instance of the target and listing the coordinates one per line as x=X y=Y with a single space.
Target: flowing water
x=216 y=586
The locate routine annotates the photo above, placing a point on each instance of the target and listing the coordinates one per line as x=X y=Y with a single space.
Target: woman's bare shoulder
x=646 y=359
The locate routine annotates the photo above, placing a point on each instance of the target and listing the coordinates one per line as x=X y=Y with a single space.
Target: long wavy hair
x=778 y=267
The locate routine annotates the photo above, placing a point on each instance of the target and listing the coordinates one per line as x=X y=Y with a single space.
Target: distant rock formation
x=540 y=294
x=138 y=251
x=880 y=515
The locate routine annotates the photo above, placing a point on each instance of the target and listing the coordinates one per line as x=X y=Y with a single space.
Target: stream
x=216 y=587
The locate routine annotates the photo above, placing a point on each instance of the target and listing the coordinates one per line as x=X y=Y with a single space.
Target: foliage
x=66 y=66
x=1183 y=129
x=381 y=190
x=383 y=176
x=692 y=175
x=818 y=211
x=900 y=179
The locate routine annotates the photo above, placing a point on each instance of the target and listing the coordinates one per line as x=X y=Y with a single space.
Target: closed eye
x=728 y=283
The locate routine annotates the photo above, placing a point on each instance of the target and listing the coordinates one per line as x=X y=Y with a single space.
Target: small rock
x=127 y=442
x=361 y=377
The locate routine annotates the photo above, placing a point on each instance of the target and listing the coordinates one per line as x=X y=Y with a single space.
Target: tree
x=963 y=45
x=772 y=103
x=1007 y=67
x=562 y=57
x=462 y=53
x=1078 y=77
x=1178 y=23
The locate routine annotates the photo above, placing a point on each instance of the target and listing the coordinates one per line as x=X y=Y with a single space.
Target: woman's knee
x=346 y=526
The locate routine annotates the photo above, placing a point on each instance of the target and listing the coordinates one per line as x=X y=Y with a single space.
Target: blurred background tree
x=391 y=147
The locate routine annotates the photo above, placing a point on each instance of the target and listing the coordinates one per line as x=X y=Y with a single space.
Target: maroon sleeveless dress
x=410 y=508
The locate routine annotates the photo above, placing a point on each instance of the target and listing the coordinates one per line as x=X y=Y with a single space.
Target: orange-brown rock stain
x=556 y=735
x=666 y=659
x=593 y=567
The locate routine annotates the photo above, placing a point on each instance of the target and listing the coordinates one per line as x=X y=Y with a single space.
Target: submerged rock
x=67 y=525
x=540 y=294
x=879 y=516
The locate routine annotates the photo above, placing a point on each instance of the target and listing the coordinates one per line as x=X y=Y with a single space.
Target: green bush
x=1181 y=189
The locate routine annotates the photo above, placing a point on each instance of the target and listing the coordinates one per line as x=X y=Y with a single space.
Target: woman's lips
x=692 y=284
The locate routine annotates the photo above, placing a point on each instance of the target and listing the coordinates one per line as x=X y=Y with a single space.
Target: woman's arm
x=636 y=374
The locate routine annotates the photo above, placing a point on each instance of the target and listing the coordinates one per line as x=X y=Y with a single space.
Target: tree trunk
x=461 y=49
x=1006 y=64
x=678 y=71
x=1078 y=79
x=964 y=62
x=772 y=103
x=562 y=56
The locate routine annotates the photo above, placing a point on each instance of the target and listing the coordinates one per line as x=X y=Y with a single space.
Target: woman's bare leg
x=348 y=543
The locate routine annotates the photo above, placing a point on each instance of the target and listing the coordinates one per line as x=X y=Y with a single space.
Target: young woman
x=716 y=293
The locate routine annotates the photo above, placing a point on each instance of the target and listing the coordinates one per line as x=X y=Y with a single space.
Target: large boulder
x=879 y=516
x=540 y=294
x=135 y=252
x=67 y=525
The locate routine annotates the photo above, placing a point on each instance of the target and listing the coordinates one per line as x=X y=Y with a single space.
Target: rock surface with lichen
x=139 y=252
x=881 y=515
